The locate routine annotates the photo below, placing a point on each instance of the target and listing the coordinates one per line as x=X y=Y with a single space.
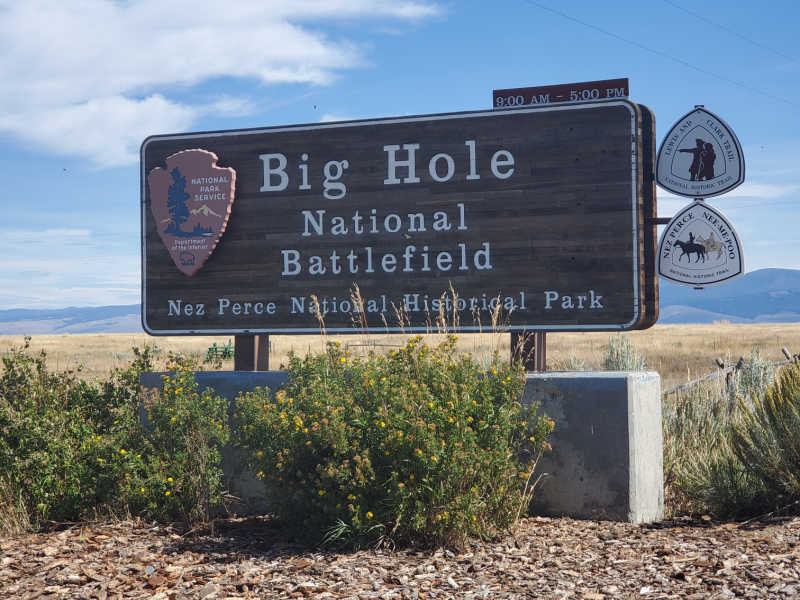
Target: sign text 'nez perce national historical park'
x=538 y=210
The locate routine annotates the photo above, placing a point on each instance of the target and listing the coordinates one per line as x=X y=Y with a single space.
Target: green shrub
x=751 y=380
x=419 y=445
x=70 y=448
x=45 y=422
x=735 y=459
x=767 y=439
x=173 y=466
x=620 y=355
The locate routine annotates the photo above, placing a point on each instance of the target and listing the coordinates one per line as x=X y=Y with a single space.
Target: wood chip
x=546 y=557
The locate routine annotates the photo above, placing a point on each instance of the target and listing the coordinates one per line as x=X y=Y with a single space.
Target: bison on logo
x=191 y=202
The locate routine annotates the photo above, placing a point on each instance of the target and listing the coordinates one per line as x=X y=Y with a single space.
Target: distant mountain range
x=92 y=319
x=763 y=296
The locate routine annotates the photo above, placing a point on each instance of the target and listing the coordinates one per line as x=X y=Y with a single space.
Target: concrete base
x=240 y=481
x=607 y=458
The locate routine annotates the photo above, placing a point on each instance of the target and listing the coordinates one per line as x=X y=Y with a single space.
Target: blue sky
x=83 y=83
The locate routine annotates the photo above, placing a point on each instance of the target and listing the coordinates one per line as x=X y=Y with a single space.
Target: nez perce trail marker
x=545 y=211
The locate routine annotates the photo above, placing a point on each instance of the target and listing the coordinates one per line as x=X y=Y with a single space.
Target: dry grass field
x=678 y=352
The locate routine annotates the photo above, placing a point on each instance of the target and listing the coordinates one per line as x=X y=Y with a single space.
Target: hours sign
x=391 y=223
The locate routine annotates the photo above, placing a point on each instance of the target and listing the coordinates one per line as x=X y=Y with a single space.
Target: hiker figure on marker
x=707 y=158
x=694 y=168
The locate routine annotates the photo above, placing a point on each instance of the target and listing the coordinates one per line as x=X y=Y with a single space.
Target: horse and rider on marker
x=691 y=247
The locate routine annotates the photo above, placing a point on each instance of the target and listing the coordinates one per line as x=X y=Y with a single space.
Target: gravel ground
x=544 y=558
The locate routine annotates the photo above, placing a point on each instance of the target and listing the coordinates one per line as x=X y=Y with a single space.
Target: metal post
x=541 y=351
x=530 y=347
x=251 y=353
x=244 y=354
x=262 y=353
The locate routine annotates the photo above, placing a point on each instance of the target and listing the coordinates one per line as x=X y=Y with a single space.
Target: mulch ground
x=545 y=558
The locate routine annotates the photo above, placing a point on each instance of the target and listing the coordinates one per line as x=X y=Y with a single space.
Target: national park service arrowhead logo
x=700 y=156
x=699 y=247
x=191 y=202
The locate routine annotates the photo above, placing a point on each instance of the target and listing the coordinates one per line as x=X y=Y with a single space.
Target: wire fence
x=728 y=372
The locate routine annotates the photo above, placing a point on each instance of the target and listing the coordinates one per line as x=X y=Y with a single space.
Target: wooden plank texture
x=557 y=236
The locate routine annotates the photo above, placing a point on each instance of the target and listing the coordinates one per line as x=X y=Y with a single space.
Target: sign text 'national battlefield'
x=391 y=224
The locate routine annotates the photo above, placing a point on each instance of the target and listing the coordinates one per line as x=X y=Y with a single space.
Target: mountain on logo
x=205 y=211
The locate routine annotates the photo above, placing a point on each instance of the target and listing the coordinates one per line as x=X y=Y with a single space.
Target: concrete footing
x=607 y=457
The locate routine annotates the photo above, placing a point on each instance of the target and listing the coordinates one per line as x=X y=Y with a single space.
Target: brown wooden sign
x=604 y=89
x=541 y=211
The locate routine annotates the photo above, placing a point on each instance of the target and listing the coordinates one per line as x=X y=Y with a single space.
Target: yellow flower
x=411 y=477
x=383 y=424
x=173 y=419
x=260 y=453
x=474 y=518
x=142 y=490
x=122 y=450
x=178 y=390
x=320 y=492
x=342 y=359
x=351 y=497
x=369 y=514
x=383 y=379
x=167 y=493
x=469 y=419
x=434 y=459
x=260 y=474
x=169 y=479
x=430 y=404
x=419 y=452
x=138 y=456
x=100 y=460
x=501 y=489
x=219 y=426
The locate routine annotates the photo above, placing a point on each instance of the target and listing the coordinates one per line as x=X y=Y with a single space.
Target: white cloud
x=330 y=118
x=15 y=237
x=86 y=267
x=92 y=78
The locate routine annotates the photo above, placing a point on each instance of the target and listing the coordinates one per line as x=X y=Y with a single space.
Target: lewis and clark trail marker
x=700 y=157
x=540 y=210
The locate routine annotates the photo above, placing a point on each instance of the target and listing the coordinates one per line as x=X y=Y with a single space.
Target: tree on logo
x=176 y=203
